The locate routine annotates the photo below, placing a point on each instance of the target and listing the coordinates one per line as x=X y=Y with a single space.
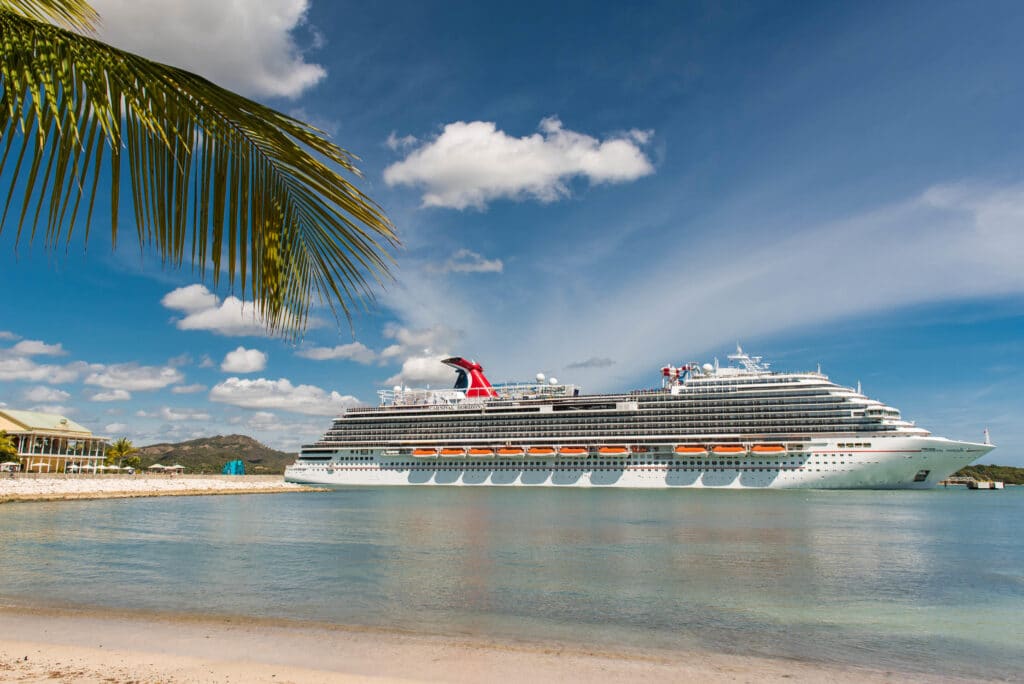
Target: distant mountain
x=209 y=454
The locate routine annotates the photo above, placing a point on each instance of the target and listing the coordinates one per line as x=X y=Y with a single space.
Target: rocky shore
x=24 y=487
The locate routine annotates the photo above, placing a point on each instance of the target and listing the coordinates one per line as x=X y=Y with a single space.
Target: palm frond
x=75 y=14
x=213 y=175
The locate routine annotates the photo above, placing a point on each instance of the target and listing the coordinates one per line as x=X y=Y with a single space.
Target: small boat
x=613 y=451
x=451 y=451
x=689 y=450
x=768 y=449
x=542 y=451
x=510 y=451
x=573 y=451
x=480 y=451
x=730 y=449
x=424 y=453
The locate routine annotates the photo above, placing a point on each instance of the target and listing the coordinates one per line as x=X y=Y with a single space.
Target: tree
x=213 y=176
x=8 y=452
x=121 y=450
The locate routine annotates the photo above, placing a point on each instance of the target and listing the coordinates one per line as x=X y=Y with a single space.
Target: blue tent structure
x=233 y=468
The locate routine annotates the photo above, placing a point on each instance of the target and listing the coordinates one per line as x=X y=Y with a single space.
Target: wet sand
x=74 y=487
x=81 y=646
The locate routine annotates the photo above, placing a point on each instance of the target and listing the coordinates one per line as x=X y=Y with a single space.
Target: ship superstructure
x=737 y=426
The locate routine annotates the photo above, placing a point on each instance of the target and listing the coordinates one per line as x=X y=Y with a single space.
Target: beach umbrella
x=156 y=466
x=9 y=463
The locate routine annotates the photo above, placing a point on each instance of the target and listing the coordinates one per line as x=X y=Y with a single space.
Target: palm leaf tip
x=215 y=178
x=77 y=15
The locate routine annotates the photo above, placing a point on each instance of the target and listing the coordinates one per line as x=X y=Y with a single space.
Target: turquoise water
x=914 y=581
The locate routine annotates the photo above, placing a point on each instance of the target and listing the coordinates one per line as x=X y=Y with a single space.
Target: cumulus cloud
x=188 y=389
x=467 y=261
x=243 y=360
x=593 y=362
x=261 y=393
x=133 y=377
x=7 y=335
x=41 y=394
x=471 y=163
x=423 y=370
x=112 y=428
x=53 y=408
x=354 y=351
x=174 y=414
x=21 y=368
x=112 y=395
x=400 y=143
x=251 y=47
x=36 y=348
x=205 y=311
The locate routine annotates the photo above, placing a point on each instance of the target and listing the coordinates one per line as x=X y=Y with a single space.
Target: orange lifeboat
x=480 y=451
x=613 y=451
x=730 y=449
x=572 y=451
x=542 y=451
x=768 y=449
x=689 y=450
x=423 y=453
x=451 y=451
x=510 y=451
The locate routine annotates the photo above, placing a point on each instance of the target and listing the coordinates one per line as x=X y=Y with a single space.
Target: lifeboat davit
x=480 y=451
x=731 y=449
x=424 y=453
x=768 y=449
x=510 y=451
x=542 y=451
x=451 y=451
x=572 y=451
x=688 y=450
x=613 y=451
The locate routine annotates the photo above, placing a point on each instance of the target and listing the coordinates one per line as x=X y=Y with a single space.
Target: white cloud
x=251 y=47
x=8 y=335
x=112 y=428
x=188 y=389
x=174 y=414
x=206 y=362
x=41 y=394
x=400 y=143
x=21 y=368
x=53 y=408
x=133 y=377
x=112 y=395
x=231 y=317
x=419 y=370
x=593 y=362
x=262 y=393
x=468 y=261
x=190 y=299
x=354 y=351
x=243 y=360
x=472 y=163
x=36 y=348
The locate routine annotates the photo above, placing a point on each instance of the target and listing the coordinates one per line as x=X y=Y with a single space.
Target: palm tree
x=8 y=452
x=120 y=450
x=214 y=177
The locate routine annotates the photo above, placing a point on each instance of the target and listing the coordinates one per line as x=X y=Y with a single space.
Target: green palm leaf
x=214 y=177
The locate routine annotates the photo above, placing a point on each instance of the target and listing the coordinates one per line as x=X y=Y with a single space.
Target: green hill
x=209 y=454
x=1007 y=474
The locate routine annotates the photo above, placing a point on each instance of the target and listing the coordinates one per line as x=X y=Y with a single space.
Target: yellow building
x=49 y=443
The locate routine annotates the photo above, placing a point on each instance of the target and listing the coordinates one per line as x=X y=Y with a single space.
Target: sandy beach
x=70 y=487
x=69 y=646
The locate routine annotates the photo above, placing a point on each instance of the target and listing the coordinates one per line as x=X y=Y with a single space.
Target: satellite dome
x=553 y=381
x=397 y=388
x=540 y=377
x=708 y=367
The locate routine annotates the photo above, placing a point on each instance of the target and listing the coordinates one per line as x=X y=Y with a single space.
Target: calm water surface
x=921 y=581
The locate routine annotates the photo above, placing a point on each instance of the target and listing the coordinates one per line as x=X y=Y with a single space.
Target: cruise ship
x=738 y=426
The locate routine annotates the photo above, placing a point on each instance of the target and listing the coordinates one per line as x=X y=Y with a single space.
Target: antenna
x=988 y=440
x=858 y=388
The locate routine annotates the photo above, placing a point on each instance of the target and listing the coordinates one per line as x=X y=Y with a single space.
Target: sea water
x=913 y=581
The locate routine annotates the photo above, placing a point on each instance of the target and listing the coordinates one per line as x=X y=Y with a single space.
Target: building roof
x=22 y=421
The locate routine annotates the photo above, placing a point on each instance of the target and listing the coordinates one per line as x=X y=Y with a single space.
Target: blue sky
x=588 y=191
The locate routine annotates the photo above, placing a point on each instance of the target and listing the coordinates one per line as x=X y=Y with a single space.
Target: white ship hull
x=891 y=463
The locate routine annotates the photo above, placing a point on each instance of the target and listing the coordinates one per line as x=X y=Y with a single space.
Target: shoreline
x=25 y=489
x=95 y=645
